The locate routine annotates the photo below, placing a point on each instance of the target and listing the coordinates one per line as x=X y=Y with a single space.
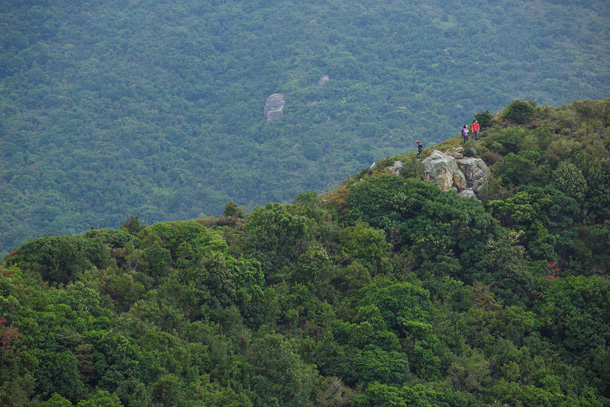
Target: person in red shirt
x=475 y=130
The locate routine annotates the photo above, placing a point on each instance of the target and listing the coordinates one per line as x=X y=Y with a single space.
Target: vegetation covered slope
x=384 y=292
x=154 y=108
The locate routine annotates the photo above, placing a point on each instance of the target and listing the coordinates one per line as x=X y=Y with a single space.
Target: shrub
x=520 y=112
x=485 y=119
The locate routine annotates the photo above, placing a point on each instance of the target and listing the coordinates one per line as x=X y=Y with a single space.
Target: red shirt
x=475 y=126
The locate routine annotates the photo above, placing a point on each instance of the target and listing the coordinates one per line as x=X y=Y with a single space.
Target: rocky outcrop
x=274 y=107
x=395 y=169
x=475 y=170
x=468 y=193
x=465 y=175
x=443 y=170
x=323 y=80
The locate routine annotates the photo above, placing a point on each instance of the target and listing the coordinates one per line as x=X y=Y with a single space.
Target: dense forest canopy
x=154 y=108
x=386 y=291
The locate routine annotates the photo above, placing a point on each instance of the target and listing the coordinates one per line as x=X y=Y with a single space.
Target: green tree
x=570 y=180
x=276 y=361
x=573 y=312
x=56 y=401
x=132 y=225
x=156 y=260
x=367 y=246
x=598 y=197
x=101 y=398
x=485 y=119
x=61 y=259
x=233 y=210
x=168 y=390
x=276 y=235
x=520 y=112
x=58 y=373
x=312 y=264
x=398 y=303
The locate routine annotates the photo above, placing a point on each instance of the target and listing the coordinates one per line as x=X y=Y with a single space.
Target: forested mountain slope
x=386 y=291
x=154 y=108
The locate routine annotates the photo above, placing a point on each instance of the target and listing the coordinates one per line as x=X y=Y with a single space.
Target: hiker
x=475 y=130
x=420 y=148
x=465 y=133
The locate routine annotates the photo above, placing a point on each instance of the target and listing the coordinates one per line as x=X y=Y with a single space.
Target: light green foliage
x=369 y=329
x=598 y=196
x=312 y=264
x=506 y=140
x=519 y=170
x=377 y=365
x=570 y=180
x=101 y=398
x=187 y=242
x=380 y=395
x=529 y=395
x=516 y=209
x=367 y=246
x=398 y=304
x=275 y=234
x=56 y=401
x=218 y=396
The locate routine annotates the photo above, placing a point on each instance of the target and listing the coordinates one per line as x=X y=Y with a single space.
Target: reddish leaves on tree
x=552 y=270
x=8 y=336
x=339 y=198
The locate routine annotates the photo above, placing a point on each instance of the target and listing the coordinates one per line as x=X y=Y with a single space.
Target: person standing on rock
x=475 y=130
x=420 y=148
x=465 y=133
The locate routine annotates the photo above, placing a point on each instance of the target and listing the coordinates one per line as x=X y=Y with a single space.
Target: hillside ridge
x=385 y=291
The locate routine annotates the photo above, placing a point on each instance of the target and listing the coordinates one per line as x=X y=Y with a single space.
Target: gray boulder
x=274 y=107
x=395 y=169
x=465 y=175
x=475 y=170
x=443 y=170
x=469 y=193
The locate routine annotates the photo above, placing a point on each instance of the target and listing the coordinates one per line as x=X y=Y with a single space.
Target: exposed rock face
x=466 y=175
x=395 y=169
x=274 y=107
x=468 y=193
x=476 y=172
x=323 y=80
x=443 y=170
